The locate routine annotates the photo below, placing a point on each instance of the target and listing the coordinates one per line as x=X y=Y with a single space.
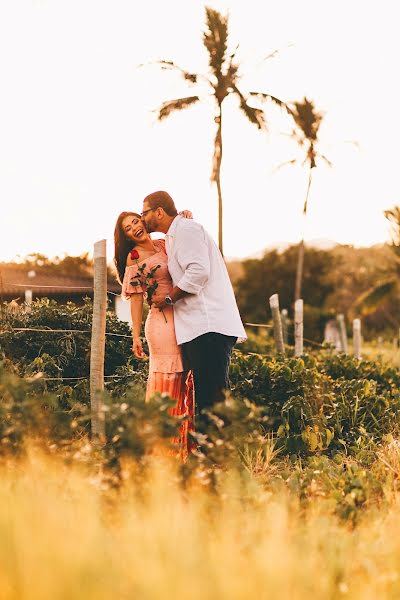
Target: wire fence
x=61 y=287
x=46 y=330
x=111 y=334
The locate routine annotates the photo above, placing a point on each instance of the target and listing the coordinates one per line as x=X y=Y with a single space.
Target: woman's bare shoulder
x=130 y=261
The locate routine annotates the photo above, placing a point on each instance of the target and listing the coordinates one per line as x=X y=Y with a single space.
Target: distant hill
x=318 y=243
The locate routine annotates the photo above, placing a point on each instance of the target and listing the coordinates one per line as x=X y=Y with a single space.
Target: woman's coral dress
x=166 y=372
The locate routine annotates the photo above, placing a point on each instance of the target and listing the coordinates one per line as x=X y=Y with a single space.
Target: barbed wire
x=4 y=331
x=263 y=325
x=315 y=343
x=89 y=288
x=46 y=330
x=60 y=287
x=35 y=378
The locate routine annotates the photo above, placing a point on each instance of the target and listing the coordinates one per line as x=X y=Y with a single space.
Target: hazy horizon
x=319 y=244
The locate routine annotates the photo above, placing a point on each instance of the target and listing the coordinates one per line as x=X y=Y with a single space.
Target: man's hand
x=187 y=214
x=137 y=348
x=176 y=294
x=158 y=301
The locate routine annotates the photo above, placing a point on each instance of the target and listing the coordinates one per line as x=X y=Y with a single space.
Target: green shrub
x=66 y=354
x=321 y=403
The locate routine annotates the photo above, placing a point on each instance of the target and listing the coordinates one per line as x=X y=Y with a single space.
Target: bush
x=66 y=354
x=321 y=403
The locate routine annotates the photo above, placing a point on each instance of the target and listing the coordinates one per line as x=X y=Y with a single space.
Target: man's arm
x=177 y=294
x=192 y=256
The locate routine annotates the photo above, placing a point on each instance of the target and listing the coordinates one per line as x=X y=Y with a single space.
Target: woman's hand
x=187 y=214
x=137 y=348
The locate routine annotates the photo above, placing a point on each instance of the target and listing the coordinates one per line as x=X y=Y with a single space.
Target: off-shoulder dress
x=166 y=370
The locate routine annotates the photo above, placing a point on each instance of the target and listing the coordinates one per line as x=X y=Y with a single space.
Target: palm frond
x=393 y=216
x=328 y=162
x=171 y=66
x=369 y=301
x=231 y=76
x=272 y=54
x=265 y=97
x=307 y=119
x=284 y=164
x=232 y=56
x=172 y=105
x=255 y=115
x=215 y=39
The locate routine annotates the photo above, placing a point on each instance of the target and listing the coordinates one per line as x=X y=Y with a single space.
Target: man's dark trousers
x=209 y=357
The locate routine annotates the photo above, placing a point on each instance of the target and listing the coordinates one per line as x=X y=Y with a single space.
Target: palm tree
x=307 y=123
x=387 y=288
x=222 y=80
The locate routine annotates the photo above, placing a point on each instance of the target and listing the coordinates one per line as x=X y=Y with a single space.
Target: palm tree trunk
x=300 y=256
x=218 y=156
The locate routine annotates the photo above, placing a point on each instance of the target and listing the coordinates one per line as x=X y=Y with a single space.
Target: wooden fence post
x=98 y=340
x=343 y=334
x=276 y=318
x=298 y=328
x=284 y=318
x=357 y=338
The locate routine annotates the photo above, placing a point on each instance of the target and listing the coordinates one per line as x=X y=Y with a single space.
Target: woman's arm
x=137 y=315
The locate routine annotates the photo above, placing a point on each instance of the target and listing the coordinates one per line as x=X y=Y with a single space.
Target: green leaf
x=369 y=301
x=313 y=441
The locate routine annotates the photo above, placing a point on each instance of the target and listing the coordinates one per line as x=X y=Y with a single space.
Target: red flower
x=134 y=254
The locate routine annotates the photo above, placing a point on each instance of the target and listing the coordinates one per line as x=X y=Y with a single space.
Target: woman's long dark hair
x=122 y=245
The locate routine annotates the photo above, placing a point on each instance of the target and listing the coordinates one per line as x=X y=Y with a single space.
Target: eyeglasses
x=146 y=211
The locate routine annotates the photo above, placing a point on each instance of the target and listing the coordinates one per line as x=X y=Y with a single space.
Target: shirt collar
x=174 y=225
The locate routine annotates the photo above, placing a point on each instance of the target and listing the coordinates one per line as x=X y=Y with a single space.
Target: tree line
x=353 y=281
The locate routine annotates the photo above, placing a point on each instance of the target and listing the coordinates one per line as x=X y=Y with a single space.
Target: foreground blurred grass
x=64 y=535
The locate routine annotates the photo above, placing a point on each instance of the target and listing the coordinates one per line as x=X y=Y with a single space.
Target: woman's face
x=134 y=229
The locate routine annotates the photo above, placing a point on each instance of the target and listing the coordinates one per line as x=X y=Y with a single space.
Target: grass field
x=320 y=517
x=63 y=535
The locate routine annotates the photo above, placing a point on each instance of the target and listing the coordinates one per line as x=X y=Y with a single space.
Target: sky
x=79 y=140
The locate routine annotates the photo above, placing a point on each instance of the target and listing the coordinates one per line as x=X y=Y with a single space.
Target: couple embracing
x=193 y=322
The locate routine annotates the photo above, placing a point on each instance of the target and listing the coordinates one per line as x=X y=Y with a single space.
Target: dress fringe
x=180 y=387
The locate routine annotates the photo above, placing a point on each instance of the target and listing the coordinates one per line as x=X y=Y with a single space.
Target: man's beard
x=148 y=227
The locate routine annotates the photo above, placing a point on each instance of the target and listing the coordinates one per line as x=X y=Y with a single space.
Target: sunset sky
x=79 y=142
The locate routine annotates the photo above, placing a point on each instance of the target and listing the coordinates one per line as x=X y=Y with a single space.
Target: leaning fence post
x=276 y=318
x=98 y=341
x=298 y=328
x=357 y=338
x=284 y=318
x=343 y=334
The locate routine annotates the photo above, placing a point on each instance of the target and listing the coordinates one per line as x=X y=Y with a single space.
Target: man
x=207 y=320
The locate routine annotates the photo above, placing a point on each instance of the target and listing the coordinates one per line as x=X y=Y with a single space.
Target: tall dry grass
x=64 y=536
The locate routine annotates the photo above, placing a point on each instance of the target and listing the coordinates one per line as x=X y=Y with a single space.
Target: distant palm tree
x=389 y=287
x=307 y=123
x=223 y=80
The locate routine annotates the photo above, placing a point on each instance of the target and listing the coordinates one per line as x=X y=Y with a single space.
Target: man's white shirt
x=197 y=267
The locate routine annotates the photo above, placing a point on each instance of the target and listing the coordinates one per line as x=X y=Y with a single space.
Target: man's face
x=149 y=218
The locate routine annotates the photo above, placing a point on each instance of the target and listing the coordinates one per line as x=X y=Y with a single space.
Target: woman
x=142 y=266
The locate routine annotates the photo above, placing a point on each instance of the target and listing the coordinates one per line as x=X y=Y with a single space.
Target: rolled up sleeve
x=193 y=258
